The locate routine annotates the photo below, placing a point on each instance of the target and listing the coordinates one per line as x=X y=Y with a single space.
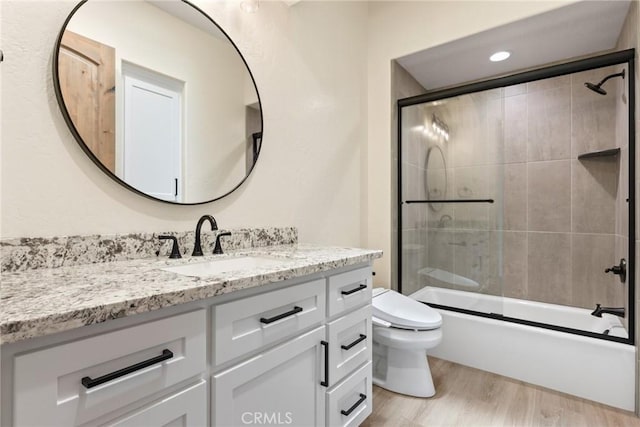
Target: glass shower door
x=451 y=184
x=517 y=202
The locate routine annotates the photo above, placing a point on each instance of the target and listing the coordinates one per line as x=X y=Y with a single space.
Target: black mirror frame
x=96 y=161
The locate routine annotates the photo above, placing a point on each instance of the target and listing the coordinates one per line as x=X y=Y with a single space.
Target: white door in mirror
x=152 y=141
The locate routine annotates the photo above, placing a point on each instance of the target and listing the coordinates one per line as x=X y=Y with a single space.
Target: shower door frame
x=615 y=58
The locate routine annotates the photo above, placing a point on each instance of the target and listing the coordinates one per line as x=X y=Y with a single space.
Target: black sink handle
x=175 y=249
x=218 y=248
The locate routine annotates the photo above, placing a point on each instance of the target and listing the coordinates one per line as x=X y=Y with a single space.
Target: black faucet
x=197 y=247
x=617 y=311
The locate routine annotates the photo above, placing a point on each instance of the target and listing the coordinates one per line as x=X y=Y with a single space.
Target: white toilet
x=403 y=330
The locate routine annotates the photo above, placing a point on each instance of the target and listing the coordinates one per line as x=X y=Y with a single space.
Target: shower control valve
x=620 y=270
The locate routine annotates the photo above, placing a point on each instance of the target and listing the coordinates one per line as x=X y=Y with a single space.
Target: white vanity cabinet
x=296 y=352
x=305 y=380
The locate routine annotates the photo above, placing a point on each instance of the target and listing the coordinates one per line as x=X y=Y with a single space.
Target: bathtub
x=591 y=368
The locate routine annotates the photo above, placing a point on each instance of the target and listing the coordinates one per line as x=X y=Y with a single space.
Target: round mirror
x=435 y=176
x=159 y=97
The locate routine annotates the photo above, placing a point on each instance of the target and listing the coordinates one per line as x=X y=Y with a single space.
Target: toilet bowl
x=403 y=330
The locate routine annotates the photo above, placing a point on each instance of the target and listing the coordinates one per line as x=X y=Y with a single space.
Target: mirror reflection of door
x=151 y=147
x=219 y=108
x=87 y=75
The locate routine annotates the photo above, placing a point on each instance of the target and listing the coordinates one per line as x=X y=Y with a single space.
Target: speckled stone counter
x=31 y=253
x=40 y=302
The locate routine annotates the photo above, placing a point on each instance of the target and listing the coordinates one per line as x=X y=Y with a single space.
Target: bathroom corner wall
x=309 y=63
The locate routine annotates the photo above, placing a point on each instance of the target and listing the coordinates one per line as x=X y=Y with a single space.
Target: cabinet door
x=187 y=408
x=279 y=386
x=350 y=402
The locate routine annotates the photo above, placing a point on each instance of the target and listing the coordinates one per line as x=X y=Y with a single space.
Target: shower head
x=595 y=88
x=598 y=88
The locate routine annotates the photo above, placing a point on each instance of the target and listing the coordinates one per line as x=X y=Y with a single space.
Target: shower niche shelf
x=612 y=152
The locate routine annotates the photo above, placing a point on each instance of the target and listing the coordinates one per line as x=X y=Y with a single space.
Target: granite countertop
x=40 y=302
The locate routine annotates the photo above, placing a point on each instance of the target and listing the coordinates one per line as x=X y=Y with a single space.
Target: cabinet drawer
x=250 y=323
x=349 y=290
x=58 y=378
x=350 y=338
x=351 y=401
x=187 y=408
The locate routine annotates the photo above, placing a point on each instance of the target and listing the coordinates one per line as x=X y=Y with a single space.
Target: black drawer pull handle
x=348 y=412
x=354 y=290
x=295 y=310
x=325 y=383
x=89 y=383
x=356 y=342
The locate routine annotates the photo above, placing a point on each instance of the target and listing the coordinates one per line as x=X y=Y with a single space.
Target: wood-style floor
x=470 y=397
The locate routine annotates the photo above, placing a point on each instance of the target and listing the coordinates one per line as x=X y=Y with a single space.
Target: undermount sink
x=224 y=265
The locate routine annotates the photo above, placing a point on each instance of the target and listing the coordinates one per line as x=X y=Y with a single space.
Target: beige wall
x=312 y=85
x=397 y=28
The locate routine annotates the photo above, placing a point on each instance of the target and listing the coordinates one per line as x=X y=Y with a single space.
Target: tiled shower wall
x=560 y=212
x=557 y=223
x=630 y=38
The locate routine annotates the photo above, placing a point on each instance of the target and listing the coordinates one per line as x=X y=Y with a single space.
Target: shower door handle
x=620 y=270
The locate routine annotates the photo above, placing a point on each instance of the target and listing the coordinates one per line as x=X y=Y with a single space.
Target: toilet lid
x=404 y=312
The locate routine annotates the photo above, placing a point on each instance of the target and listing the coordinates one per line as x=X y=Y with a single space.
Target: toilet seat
x=407 y=339
x=402 y=312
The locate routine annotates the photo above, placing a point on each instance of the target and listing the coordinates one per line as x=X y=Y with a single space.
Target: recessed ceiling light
x=499 y=56
x=250 y=6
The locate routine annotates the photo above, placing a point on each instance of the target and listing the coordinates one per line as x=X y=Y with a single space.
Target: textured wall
x=313 y=89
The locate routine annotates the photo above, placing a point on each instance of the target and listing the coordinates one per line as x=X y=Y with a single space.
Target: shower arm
x=620 y=74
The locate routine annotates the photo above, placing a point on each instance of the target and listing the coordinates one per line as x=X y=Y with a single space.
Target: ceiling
x=578 y=29
x=189 y=15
